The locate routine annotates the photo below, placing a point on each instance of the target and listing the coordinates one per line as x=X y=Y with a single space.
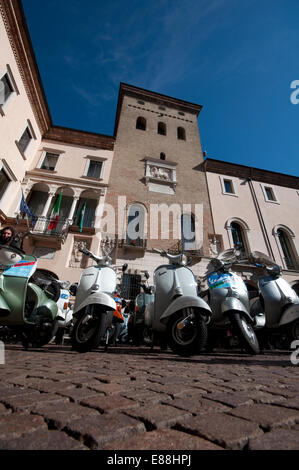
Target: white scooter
x=279 y=302
x=177 y=311
x=94 y=304
x=229 y=300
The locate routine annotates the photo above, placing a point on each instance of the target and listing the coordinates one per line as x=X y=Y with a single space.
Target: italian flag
x=55 y=213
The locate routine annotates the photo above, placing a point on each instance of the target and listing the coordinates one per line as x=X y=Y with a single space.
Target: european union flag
x=24 y=208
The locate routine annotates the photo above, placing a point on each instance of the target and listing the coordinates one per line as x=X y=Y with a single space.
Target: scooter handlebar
x=274 y=270
x=163 y=253
x=98 y=259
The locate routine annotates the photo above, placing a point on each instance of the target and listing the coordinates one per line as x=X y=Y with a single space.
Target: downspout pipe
x=260 y=217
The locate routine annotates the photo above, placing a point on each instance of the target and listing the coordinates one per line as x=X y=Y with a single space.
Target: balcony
x=39 y=229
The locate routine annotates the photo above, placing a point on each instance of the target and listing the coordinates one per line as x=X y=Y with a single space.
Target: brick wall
x=133 y=146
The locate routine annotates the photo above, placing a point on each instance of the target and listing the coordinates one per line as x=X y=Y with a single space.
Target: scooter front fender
x=185 y=302
x=64 y=318
x=289 y=315
x=98 y=298
x=232 y=304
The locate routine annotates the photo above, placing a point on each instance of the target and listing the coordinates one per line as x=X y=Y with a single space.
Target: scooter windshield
x=23 y=268
x=225 y=280
x=262 y=258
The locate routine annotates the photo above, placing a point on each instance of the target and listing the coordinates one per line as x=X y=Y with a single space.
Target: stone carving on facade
x=214 y=246
x=107 y=245
x=160 y=173
x=78 y=259
x=160 y=176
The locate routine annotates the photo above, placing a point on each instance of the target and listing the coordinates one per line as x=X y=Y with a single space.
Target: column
x=48 y=203
x=72 y=210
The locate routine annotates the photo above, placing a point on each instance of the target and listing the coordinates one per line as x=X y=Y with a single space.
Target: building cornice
x=255 y=174
x=66 y=135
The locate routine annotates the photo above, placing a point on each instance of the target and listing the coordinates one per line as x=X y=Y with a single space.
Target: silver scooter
x=279 y=302
x=94 y=304
x=177 y=311
x=229 y=300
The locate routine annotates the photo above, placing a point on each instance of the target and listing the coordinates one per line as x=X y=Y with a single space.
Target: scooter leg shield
x=233 y=304
x=290 y=314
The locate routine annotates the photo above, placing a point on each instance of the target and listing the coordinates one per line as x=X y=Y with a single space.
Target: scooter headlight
x=95 y=288
x=184 y=260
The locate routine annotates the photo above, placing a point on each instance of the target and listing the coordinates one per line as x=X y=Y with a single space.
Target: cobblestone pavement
x=137 y=399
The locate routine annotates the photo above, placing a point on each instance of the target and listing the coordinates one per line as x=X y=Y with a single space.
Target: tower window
x=162 y=156
x=181 y=133
x=141 y=123
x=161 y=128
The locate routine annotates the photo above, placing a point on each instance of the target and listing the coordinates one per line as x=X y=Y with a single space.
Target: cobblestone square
x=132 y=398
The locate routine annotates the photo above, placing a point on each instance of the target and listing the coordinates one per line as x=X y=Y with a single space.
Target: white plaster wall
x=225 y=207
x=283 y=212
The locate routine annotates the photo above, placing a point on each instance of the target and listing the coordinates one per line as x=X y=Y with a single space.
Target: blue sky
x=237 y=58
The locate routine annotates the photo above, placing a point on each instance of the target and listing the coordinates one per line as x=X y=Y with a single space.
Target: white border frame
x=33 y=137
x=231 y=180
x=4 y=166
x=15 y=91
x=90 y=158
x=43 y=155
x=264 y=186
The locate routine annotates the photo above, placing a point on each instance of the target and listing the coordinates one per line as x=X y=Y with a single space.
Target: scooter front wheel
x=245 y=333
x=186 y=338
x=86 y=333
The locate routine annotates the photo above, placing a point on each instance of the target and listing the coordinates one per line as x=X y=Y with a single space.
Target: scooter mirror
x=10 y=255
x=124 y=267
x=146 y=274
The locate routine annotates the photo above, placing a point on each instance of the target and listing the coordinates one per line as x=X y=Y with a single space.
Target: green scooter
x=25 y=308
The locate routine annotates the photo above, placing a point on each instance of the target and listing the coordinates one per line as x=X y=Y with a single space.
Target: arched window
x=141 y=123
x=238 y=237
x=161 y=128
x=162 y=156
x=181 y=133
x=188 y=232
x=136 y=225
x=287 y=250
